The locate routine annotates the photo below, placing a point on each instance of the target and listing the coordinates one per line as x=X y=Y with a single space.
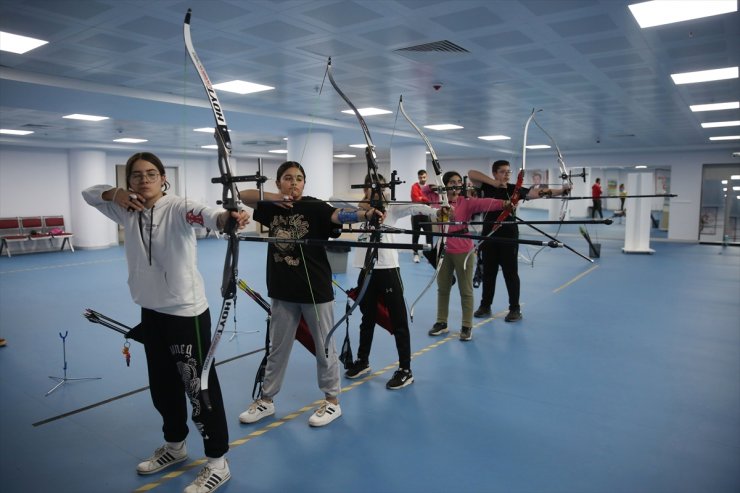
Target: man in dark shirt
x=496 y=254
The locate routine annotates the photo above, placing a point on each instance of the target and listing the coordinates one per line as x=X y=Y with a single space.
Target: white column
x=637 y=227
x=315 y=152
x=91 y=228
x=407 y=160
x=555 y=205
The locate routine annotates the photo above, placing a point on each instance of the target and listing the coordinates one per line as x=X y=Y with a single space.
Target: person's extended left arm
x=538 y=193
x=242 y=218
x=350 y=216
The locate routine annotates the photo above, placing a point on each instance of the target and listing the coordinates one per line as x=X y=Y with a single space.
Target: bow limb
x=445 y=203
x=376 y=202
x=229 y=201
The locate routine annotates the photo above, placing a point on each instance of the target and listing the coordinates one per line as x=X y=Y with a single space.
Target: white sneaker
x=256 y=411
x=162 y=458
x=325 y=414
x=209 y=479
x=416 y=258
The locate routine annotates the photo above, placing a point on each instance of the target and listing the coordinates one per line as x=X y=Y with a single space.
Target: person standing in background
x=596 y=197
x=417 y=220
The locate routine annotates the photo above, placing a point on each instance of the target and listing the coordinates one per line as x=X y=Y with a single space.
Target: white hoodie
x=161 y=252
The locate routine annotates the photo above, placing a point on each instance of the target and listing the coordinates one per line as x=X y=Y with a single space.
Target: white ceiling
x=602 y=82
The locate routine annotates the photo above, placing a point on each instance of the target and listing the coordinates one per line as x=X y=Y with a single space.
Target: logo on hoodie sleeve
x=192 y=218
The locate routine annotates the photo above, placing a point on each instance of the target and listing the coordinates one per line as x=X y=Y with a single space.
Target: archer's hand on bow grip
x=509 y=206
x=443 y=214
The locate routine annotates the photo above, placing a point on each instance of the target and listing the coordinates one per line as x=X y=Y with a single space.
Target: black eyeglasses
x=138 y=177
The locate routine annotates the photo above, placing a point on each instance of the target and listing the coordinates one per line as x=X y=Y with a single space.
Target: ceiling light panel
x=661 y=12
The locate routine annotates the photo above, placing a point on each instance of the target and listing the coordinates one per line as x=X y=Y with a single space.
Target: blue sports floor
x=622 y=377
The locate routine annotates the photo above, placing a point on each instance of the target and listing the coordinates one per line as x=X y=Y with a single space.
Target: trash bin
x=338 y=255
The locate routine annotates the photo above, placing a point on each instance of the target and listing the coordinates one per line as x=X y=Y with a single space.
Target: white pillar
x=554 y=206
x=91 y=228
x=407 y=160
x=315 y=152
x=637 y=227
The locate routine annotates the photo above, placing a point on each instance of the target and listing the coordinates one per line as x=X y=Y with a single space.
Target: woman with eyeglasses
x=160 y=244
x=504 y=255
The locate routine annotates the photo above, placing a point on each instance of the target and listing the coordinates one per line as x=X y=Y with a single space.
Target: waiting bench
x=33 y=229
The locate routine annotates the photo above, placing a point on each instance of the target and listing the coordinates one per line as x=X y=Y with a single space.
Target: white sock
x=175 y=446
x=218 y=463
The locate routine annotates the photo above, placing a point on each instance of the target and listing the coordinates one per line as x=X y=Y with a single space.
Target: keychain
x=126 y=353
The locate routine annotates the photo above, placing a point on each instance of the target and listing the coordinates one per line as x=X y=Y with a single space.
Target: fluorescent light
x=15 y=43
x=209 y=146
x=736 y=189
x=443 y=126
x=494 y=137
x=209 y=130
x=733 y=105
x=87 y=118
x=705 y=75
x=735 y=177
x=641 y=166
x=735 y=123
x=279 y=151
x=538 y=146
x=367 y=111
x=241 y=87
x=128 y=140
x=724 y=182
x=344 y=156
x=726 y=137
x=658 y=13
x=8 y=131
x=358 y=146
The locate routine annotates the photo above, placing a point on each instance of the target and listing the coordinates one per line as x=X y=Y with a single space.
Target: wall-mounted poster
x=708 y=221
x=611 y=188
x=662 y=181
x=537 y=178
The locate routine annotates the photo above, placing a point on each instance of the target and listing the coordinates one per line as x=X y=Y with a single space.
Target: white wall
x=36 y=182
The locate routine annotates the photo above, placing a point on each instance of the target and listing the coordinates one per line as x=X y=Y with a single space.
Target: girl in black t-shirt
x=299 y=284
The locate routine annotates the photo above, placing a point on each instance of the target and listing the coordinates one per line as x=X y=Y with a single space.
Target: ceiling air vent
x=436 y=46
x=438 y=51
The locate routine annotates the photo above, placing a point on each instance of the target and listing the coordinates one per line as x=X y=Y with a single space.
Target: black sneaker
x=466 y=333
x=482 y=312
x=438 y=328
x=513 y=316
x=357 y=369
x=401 y=378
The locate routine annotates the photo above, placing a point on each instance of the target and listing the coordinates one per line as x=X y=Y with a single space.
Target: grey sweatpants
x=283 y=324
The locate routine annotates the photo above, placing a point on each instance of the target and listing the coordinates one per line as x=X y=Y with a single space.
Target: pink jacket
x=462 y=210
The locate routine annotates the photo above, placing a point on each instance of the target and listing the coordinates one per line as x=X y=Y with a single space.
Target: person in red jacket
x=596 y=196
x=417 y=220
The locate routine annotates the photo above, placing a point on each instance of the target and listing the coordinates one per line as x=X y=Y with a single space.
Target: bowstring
x=303 y=153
